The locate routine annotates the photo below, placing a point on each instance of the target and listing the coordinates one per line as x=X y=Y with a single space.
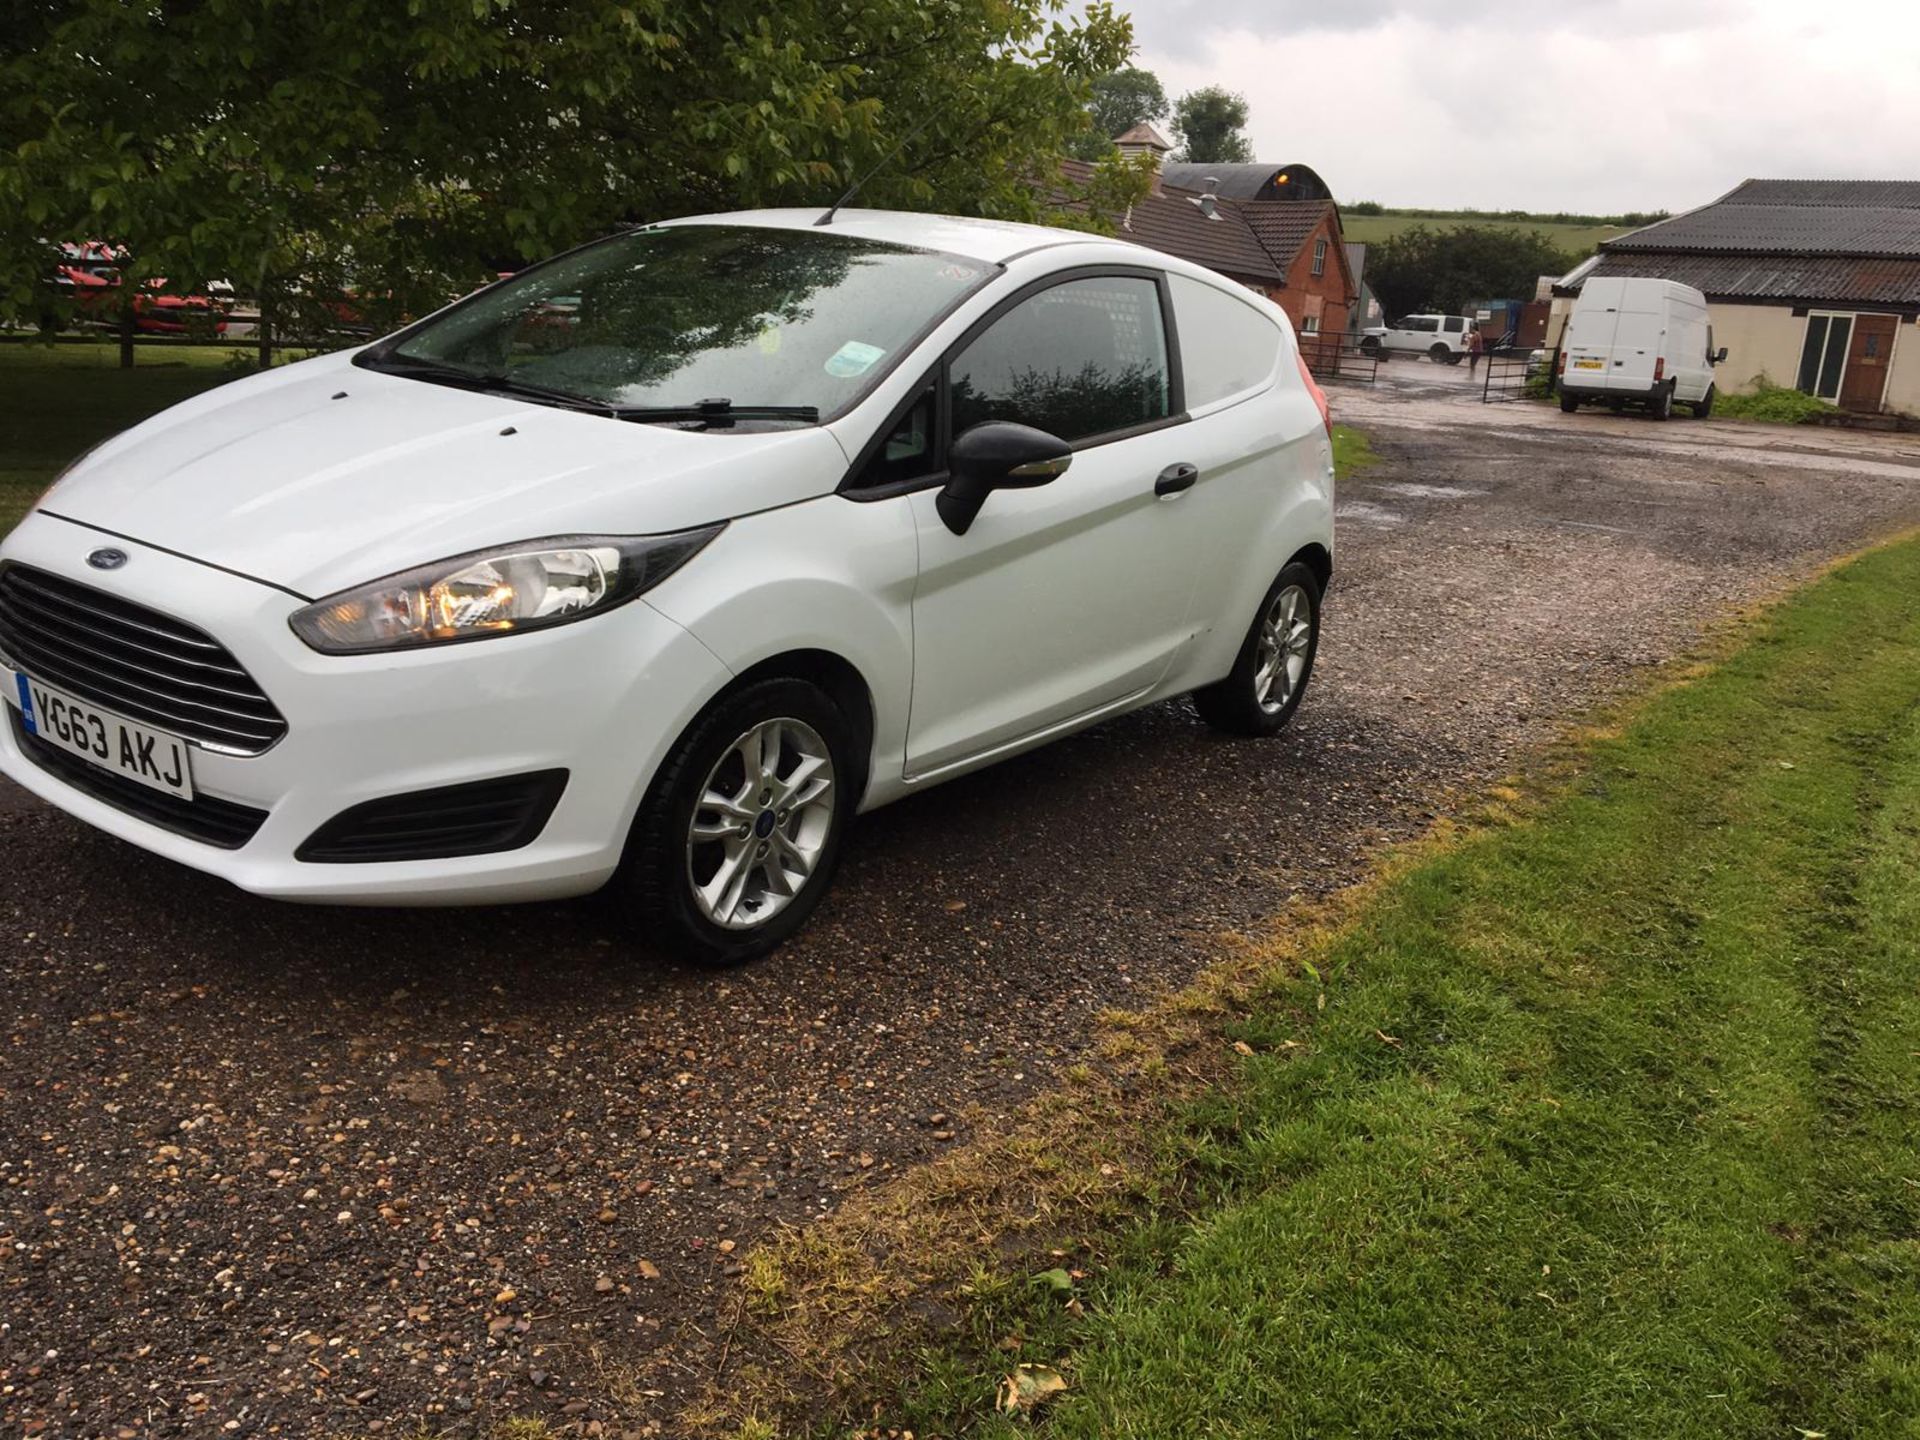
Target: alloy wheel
x=1286 y=638
x=760 y=824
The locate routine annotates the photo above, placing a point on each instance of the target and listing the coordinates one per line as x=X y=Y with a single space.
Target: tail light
x=1660 y=369
x=1313 y=389
x=1560 y=365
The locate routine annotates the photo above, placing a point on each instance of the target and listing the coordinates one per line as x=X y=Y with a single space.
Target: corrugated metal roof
x=1890 y=194
x=1783 y=229
x=1809 y=280
x=1794 y=217
x=1174 y=224
x=1259 y=180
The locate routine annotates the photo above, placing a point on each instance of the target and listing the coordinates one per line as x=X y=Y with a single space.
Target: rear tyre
x=1661 y=406
x=1568 y=403
x=740 y=832
x=1440 y=354
x=1704 y=406
x=1270 y=674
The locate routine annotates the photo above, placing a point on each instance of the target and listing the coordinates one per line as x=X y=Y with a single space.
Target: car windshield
x=685 y=317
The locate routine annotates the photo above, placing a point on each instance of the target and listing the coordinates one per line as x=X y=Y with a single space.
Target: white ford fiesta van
x=1638 y=341
x=651 y=566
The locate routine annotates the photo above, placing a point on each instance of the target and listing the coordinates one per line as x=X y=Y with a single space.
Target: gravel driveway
x=279 y=1171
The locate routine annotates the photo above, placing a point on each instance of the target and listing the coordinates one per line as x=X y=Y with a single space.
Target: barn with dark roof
x=1273 y=228
x=1810 y=283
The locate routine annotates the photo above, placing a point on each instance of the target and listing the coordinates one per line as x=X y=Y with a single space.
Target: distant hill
x=1578 y=235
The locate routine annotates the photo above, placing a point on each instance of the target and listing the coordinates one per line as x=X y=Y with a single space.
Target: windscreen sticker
x=853 y=358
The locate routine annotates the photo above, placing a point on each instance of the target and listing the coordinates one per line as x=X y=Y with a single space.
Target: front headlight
x=496 y=592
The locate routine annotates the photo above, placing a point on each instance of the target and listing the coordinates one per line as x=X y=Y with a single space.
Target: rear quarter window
x=1227 y=347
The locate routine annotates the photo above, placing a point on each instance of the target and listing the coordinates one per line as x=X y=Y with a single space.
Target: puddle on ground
x=1365 y=514
x=1411 y=491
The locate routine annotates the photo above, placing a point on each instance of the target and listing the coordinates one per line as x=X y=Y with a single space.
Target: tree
x=1120 y=101
x=1445 y=270
x=1209 y=121
x=404 y=152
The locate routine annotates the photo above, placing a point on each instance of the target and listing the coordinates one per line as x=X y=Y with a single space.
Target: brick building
x=1274 y=229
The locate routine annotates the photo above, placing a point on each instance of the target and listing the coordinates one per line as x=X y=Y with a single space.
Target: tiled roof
x=1811 y=279
x=1144 y=134
x=1282 y=226
x=1174 y=224
x=1794 y=217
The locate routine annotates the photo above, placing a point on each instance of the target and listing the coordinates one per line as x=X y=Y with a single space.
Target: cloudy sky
x=1586 y=105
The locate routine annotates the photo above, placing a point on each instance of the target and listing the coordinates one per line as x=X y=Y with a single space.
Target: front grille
x=204 y=818
x=134 y=661
x=481 y=818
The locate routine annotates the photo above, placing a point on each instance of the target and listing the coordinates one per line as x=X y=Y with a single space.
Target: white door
x=1069 y=599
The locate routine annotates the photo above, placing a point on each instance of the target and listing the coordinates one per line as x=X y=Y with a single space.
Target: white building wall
x=1762 y=341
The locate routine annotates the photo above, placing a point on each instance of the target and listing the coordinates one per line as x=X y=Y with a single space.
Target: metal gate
x=1338 y=356
x=1512 y=370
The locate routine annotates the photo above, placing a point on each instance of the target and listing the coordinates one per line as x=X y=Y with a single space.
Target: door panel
x=1057 y=601
x=1071 y=596
x=1867 y=360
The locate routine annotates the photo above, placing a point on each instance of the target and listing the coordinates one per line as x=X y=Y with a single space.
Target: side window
x=910 y=449
x=1227 y=347
x=1455 y=324
x=1426 y=324
x=1084 y=358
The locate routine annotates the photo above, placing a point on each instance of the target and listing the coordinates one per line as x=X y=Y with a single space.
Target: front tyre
x=1704 y=406
x=740 y=833
x=1270 y=674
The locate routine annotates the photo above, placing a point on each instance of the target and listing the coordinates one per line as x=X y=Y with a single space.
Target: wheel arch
x=1318 y=559
x=838 y=676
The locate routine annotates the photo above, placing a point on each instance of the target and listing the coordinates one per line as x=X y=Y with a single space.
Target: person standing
x=1475 y=348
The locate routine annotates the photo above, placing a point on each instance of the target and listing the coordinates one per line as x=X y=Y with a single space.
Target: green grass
x=1351 y=451
x=1577 y=240
x=1774 y=404
x=1599 y=1123
x=57 y=400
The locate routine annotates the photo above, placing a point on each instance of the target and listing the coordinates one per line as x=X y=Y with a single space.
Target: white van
x=1637 y=341
x=1441 y=338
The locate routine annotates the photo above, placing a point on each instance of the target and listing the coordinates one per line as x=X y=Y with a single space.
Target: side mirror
x=1718 y=356
x=997 y=455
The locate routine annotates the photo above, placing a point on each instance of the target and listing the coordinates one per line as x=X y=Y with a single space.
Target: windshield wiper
x=440 y=374
x=718 y=411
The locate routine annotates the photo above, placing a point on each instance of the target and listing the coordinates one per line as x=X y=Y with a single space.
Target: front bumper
x=602 y=699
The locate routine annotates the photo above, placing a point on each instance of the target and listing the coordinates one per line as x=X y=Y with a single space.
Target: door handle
x=1176 y=479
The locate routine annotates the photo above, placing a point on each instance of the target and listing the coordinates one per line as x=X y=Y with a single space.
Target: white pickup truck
x=1441 y=338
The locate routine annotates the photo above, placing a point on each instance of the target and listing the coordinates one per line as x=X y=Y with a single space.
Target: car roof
x=992 y=241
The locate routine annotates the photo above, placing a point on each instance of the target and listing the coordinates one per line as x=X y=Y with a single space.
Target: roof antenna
x=886 y=160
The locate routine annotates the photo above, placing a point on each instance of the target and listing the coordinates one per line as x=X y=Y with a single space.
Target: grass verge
x=1351 y=451
x=56 y=401
x=1597 y=1120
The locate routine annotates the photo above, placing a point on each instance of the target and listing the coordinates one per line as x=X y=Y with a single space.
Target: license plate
x=1589 y=364
x=152 y=757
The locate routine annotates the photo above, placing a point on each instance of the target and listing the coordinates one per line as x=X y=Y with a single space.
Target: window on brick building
x=1320 y=257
